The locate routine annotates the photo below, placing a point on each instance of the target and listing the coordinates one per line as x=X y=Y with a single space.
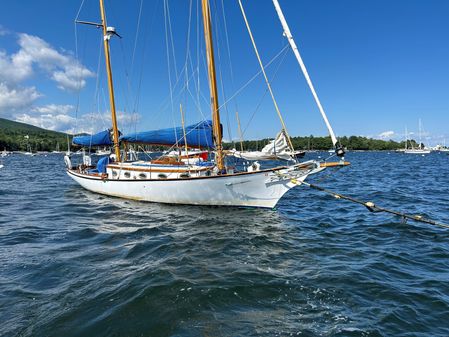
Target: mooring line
x=371 y=206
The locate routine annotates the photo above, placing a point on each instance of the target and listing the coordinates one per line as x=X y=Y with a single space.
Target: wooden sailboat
x=171 y=180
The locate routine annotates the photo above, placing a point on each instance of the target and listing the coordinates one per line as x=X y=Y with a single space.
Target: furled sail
x=197 y=135
x=102 y=138
x=276 y=149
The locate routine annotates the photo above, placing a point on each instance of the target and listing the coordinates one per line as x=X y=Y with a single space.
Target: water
x=73 y=263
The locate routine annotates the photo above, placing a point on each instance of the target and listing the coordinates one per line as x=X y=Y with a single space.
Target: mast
x=240 y=130
x=107 y=33
x=184 y=131
x=212 y=84
x=289 y=37
x=419 y=127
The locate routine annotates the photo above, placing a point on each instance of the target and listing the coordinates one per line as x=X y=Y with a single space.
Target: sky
x=378 y=66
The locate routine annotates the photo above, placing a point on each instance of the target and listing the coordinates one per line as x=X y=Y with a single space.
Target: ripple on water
x=76 y=263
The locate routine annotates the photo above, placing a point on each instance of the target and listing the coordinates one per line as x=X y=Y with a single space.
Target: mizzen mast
x=107 y=33
x=213 y=84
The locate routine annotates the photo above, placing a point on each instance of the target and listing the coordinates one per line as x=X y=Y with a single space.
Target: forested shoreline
x=15 y=136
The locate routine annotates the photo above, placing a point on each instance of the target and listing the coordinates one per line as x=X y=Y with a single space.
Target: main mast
x=212 y=84
x=106 y=36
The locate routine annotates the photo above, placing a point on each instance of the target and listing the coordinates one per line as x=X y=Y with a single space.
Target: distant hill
x=13 y=137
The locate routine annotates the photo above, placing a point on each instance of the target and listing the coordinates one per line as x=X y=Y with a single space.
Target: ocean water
x=74 y=263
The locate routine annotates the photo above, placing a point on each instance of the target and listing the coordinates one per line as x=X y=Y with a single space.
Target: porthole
x=127 y=174
x=114 y=173
x=184 y=175
x=142 y=176
x=162 y=176
x=208 y=173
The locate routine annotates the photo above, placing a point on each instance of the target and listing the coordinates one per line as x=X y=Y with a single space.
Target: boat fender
x=68 y=162
x=87 y=161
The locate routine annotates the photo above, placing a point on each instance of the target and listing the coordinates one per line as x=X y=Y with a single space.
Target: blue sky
x=377 y=65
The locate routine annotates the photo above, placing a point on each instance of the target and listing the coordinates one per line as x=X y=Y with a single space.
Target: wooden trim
x=156 y=170
x=278 y=168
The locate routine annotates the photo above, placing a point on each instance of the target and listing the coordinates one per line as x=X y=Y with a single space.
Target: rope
x=371 y=206
x=266 y=78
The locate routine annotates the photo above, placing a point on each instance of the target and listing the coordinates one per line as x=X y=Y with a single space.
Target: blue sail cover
x=198 y=135
x=102 y=138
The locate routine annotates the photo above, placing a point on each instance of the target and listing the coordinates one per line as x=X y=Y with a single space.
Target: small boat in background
x=420 y=150
x=103 y=152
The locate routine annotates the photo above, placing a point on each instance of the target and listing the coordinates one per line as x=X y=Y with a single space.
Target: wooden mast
x=106 y=37
x=213 y=84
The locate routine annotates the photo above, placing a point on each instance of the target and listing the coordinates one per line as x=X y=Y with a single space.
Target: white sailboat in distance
x=420 y=149
x=171 y=179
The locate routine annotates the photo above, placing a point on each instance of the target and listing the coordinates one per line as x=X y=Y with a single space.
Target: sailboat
x=28 y=152
x=172 y=179
x=413 y=150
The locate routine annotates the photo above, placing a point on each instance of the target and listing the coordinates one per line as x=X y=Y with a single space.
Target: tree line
x=325 y=143
x=16 y=136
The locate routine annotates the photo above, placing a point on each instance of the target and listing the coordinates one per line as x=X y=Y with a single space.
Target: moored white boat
x=261 y=188
x=176 y=178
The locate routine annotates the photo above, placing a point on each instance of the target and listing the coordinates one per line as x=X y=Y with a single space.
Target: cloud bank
x=36 y=56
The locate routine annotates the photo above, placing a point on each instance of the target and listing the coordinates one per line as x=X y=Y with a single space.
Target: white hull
x=255 y=189
x=417 y=151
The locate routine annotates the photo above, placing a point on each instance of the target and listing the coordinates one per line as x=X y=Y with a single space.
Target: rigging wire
x=254 y=76
x=78 y=99
x=266 y=90
x=166 y=22
x=220 y=70
x=140 y=81
x=228 y=49
x=137 y=34
x=266 y=78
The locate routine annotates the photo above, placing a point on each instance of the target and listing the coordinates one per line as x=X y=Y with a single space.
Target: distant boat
x=57 y=149
x=103 y=152
x=4 y=153
x=413 y=150
x=29 y=152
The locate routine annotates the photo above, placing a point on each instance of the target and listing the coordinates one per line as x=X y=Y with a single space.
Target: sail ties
x=266 y=78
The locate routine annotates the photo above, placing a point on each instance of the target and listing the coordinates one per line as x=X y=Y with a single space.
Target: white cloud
x=53 y=109
x=3 y=31
x=66 y=71
x=51 y=117
x=62 y=68
x=16 y=99
x=14 y=69
x=387 y=135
